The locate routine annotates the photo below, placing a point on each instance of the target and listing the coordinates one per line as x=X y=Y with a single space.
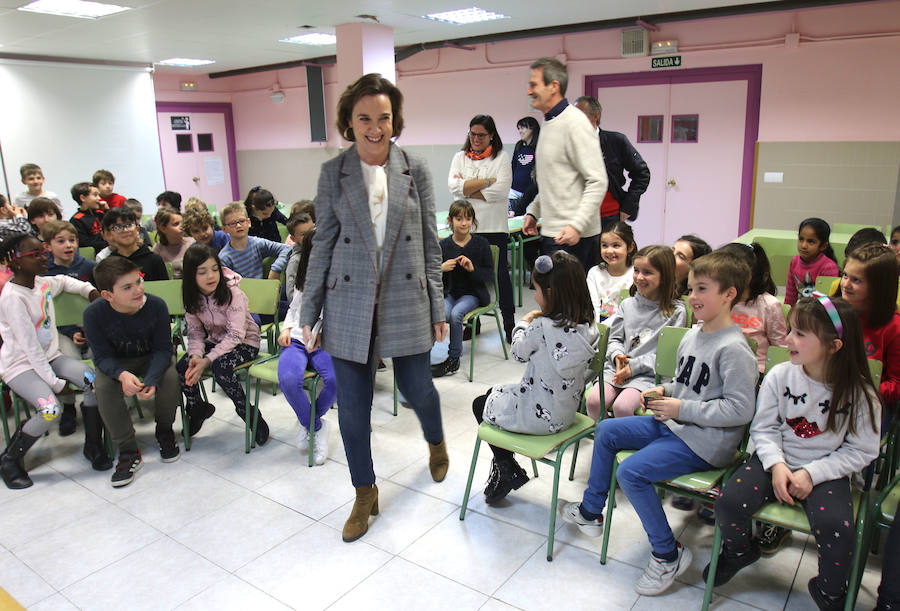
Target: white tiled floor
x=220 y=529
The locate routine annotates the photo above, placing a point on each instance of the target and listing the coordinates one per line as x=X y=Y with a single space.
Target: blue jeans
x=291 y=370
x=454 y=309
x=355 y=387
x=662 y=455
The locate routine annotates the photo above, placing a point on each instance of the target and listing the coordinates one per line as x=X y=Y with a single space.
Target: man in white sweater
x=571 y=176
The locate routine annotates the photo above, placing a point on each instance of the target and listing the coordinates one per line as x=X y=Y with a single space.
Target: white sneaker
x=303 y=439
x=571 y=513
x=320 y=449
x=660 y=574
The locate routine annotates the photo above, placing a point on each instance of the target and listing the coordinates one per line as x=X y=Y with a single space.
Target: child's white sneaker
x=571 y=513
x=320 y=445
x=303 y=439
x=660 y=574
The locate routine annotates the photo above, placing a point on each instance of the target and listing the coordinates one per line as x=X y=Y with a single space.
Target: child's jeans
x=455 y=308
x=223 y=373
x=291 y=369
x=35 y=390
x=662 y=455
x=828 y=507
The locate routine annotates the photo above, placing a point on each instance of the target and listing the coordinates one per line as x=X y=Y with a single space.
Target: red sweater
x=802 y=276
x=883 y=343
x=115 y=200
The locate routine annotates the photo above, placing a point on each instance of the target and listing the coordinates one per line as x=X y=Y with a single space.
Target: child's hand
x=664 y=408
x=195 y=369
x=465 y=263
x=801 y=484
x=147 y=392
x=449 y=265
x=131 y=384
x=781 y=479
x=309 y=340
x=623 y=369
x=652 y=393
x=78 y=339
x=531 y=316
x=284 y=338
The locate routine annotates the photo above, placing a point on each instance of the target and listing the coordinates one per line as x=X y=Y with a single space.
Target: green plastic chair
x=689 y=313
x=536 y=447
x=786 y=312
x=492 y=309
x=881 y=517
x=851 y=228
x=596 y=365
x=778 y=265
x=87 y=252
x=824 y=283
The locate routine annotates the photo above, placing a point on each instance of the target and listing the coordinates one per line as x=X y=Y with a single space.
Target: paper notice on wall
x=215 y=171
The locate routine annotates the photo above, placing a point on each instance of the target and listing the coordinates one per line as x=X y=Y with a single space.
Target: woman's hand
x=440 y=331
x=284 y=338
x=466 y=263
x=781 y=480
x=449 y=265
x=309 y=340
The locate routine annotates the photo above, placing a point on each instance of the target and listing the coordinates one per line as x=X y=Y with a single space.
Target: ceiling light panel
x=185 y=62
x=314 y=38
x=466 y=16
x=73 y=8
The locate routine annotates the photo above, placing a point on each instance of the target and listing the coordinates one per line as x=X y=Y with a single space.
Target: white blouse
x=491 y=212
x=377 y=187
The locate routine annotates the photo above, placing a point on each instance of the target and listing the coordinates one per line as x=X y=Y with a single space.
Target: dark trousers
x=505 y=296
x=223 y=374
x=829 y=509
x=889 y=590
x=478 y=410
x=585 y=250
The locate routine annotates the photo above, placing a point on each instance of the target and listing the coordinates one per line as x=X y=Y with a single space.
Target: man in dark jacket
x=619 y=156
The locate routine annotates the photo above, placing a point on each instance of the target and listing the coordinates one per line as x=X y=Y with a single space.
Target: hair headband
x=832 y=313
x=543 y=264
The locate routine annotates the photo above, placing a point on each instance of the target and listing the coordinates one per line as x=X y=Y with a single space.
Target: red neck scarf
x=482 y=155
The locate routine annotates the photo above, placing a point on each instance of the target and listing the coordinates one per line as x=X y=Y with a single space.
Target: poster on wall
x=215 y=171
x=182 y=123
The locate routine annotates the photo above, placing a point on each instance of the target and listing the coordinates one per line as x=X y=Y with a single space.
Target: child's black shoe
x=168 y=449
x=67 y=421
x=825 y=602
x=448 y=367
x=506 y=476
x=730 y=563
x=198 y=414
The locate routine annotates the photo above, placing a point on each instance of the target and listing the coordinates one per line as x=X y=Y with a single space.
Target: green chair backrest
x=87 y=252
x=69 y=309
x=850 y=227
x=169 y=271
x=282 y=231
x=262 y=294
x=775 y=355
x=170 y=292
x=267 y=265
x=786 y=312
x=599 y=359
x=875 y=367
x=779 y=264
x=624 y=294
x=689 y=319
x=823 y=284
x=667 y=351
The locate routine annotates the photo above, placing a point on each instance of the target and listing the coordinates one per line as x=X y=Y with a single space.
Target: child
x=687 y=248
x=198 y=224
x=88 y=219
x=171 y=244
x=130 y=336
x=105 y=182
x=166 y=199
x=120 y=228
x=42 y=210
x=758 y=313
x=221 y=335
x=558 y=342
x=294 y=360
x=816 y=425
x=869 y=285
x=138 y=209
x=304 y=206
x=33 y=179
x=245 y=254
x=468 y=270
x=298 y=226
x=614 y=273
x=697 y=422
x=895 y=242
x=634 y=333
x=30 y=360
x=815 y=258
x=263 y=214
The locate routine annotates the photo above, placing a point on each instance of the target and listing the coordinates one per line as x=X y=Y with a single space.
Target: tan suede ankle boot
x=366 y=504
x=438 y=461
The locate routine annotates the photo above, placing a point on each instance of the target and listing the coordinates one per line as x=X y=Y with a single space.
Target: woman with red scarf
x=481 y=174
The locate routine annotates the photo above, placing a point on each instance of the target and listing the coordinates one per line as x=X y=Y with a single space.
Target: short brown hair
x=195 y=202
x=462 y=207
x=305 y=205
x=726 y=269
x=40 y=206
x=297 y=219
x=194 y=218
x=232 y=208
x=30 y=168
x=110 y=269
x=54 y=228
x=552 y=70
x=103 y=175
x=368 y=84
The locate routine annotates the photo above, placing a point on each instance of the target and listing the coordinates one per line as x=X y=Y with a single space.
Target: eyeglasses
x=479 y=134
x=32 y=254
x=122 y=228
x=238 y=223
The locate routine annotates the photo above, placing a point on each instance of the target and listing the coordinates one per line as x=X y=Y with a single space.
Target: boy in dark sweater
x=88 y=219
x=697 y=423
x=130 y=336
x=121 y=230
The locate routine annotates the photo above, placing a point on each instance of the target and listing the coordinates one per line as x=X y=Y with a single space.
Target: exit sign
x=670 y=61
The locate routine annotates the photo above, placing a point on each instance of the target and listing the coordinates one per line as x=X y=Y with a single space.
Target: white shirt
x=491 y=212
x=377 y=188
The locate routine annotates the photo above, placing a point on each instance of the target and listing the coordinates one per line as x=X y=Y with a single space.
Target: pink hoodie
x=225 y=326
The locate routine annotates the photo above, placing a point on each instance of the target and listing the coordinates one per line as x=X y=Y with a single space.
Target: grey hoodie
x=545 y=400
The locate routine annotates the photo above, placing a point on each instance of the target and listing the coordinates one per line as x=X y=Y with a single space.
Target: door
x=197 y=155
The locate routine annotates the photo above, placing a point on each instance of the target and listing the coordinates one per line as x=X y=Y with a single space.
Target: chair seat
x=794 y=517
x=533 y=446
x=267 y=370
x=698 y=481
x=478 y=312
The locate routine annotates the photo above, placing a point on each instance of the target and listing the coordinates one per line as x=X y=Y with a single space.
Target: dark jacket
x=460 y=282
x=81 y=269
x=151 y=264
x=90 y=230
x=268 y=228
x=620 y=156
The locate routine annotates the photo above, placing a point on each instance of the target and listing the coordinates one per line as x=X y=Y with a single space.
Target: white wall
x=74 y=119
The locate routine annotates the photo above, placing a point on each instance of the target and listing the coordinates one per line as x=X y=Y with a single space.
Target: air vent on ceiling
x=635 y=42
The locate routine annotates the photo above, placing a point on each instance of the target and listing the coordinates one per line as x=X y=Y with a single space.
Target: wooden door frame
x=223 y=108
x=751 y=73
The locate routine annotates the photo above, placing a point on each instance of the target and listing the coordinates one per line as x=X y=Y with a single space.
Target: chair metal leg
x=557 y=466
x=465 y=502
x=185 y=425
x=501 y=334
x=534 y=467
x=247 y=413
x=396 y=400
x=713 y=566
x=610 y=506
x=574 y=460
x=5 y=423
x=472 y=326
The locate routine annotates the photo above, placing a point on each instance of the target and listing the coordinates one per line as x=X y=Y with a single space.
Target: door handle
x=671 y=182
x=196 y=179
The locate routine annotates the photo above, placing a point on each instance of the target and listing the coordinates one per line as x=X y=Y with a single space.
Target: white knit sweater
x=571 y=176
x=490 y=212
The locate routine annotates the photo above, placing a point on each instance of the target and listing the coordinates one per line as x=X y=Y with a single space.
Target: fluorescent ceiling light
x=73 y=8
x=185 y=62
x=315 y=38
x=466 y=16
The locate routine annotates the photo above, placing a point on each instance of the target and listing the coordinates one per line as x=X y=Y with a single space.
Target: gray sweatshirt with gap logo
x=716 y=383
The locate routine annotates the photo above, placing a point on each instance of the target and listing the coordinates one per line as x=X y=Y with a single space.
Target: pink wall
x=828 y=90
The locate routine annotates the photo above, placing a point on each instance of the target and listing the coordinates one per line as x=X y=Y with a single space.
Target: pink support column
x=363 y=48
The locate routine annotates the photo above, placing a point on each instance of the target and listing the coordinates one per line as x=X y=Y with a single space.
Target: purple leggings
x=291 y=369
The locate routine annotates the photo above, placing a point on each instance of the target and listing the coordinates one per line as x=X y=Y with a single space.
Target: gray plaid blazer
x=342 y=280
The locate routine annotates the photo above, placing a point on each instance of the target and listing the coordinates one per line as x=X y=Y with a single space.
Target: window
x=204 y=143
x=184 y=143
x=650 y=128
x=685 y=128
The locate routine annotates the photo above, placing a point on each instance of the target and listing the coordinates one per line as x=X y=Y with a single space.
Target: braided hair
x=9 y=247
